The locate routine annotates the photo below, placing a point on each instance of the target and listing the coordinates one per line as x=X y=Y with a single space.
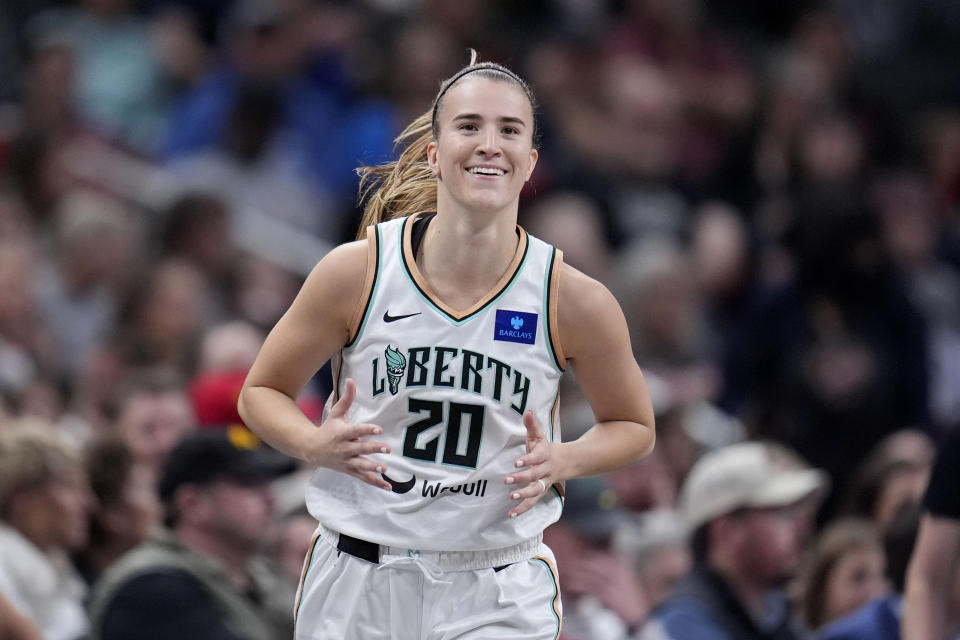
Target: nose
x=489 y=142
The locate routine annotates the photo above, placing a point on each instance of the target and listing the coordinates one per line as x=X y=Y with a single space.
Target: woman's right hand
x=341 y=446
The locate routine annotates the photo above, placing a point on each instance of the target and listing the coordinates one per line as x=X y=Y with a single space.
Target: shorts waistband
x=496 y=559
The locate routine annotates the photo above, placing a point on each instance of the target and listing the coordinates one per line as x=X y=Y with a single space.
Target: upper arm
x=318 y=323
x=595 y=339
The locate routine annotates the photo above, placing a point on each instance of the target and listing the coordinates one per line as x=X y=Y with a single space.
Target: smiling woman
x=440 y=455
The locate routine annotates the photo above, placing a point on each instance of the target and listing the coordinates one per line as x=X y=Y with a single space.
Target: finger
x=362 y=448
x=357 y=431
x=372 y=479
x=342 y=405
x=369 y=471
x=534 y=432
x=535 y=490
x=523 y=507
x=528 y=475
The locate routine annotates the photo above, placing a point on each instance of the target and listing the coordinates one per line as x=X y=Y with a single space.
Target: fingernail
x=511 y=480
x=381 y=470
x=513 y=515
x=518 y=464
x=383 y=449
x=377 y=430
x=515 y=496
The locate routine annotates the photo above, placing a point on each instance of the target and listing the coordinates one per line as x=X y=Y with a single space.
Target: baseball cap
x=590 y=507
x=234 y=453
x=746 y=474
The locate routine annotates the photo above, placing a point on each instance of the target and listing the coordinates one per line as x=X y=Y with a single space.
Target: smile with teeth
x=487 y=171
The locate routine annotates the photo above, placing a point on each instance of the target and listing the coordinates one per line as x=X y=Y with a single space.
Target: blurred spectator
x=750 y=507
x=302 y=122
x=573 y=223
x=294 y=536
x=14 y=626
x=656 y=544
x=44 y=507
x=151 y=413
x=163 y=316
x=914 y=231
x=880 y=619
x=666 y=320
x=205 y=576
x=121 y=85
x=78 y=292
x=893 y=474
x=846 y=571
x=930 y=609
x=127 y=510
x=25 y=346
x=227 y=351
x=195 y=230
x=602 y=594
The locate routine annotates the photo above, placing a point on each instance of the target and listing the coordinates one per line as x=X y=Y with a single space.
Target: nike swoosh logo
x=389 y=318
x=400 y=487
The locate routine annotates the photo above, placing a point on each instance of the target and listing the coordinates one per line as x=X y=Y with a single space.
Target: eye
x=511 y=131
x=468 y=126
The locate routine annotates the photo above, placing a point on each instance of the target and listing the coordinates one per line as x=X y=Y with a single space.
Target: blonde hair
x=31 y=454
x=408 y=185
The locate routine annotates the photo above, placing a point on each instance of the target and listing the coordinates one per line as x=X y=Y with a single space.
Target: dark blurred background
x=770 y=188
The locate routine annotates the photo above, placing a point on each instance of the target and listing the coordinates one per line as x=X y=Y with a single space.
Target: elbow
x=646 y=441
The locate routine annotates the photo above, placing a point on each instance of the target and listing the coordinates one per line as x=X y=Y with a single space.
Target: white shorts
x=423 y=596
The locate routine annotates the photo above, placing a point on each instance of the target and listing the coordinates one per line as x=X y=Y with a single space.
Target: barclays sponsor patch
x=515 y=326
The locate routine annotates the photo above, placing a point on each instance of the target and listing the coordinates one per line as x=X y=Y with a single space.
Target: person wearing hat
x=204 y=576
x=750 y=506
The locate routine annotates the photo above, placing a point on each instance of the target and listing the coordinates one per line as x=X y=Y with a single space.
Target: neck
x=751 y=593
x=233 y=558
x=469 y=243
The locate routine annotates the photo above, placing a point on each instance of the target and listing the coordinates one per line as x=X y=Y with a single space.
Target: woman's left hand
x=536 y=468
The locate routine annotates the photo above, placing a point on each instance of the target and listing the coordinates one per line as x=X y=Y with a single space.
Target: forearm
x=923 y=611
x=276 y=418
x=605 y=447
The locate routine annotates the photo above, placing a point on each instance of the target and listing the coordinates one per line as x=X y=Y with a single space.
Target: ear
x=534 y=156
x=432 y=159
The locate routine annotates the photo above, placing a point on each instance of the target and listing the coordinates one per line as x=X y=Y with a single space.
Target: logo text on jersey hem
x=389 y=318
x=400 y=487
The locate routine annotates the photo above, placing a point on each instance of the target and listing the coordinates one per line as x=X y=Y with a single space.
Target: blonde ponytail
x=402 y=187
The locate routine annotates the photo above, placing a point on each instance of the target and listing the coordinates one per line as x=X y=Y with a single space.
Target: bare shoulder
x=586 y=310
x=335 y=285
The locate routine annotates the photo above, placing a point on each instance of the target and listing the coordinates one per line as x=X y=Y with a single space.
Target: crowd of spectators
x=772 y=190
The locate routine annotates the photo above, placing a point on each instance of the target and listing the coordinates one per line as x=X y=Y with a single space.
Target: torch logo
x=396 y=363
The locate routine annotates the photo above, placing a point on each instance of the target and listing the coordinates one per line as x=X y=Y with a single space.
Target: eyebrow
x=477 y=116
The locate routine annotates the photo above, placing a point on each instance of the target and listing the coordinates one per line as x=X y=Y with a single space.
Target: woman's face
x=856 y=579
x=484 y=151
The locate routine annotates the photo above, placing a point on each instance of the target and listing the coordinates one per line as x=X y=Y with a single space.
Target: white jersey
x=449 y=389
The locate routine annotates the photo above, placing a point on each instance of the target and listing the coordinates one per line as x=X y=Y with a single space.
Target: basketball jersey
x=449 y=390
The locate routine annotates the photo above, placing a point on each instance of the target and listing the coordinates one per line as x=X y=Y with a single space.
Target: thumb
x=534 y=432
x=342 y=405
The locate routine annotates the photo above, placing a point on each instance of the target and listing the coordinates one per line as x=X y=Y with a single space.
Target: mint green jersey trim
x=461 y=321
x=313 y=558
x=556 y=592
x=378 y=268
x=553 y=404
x=547 y=336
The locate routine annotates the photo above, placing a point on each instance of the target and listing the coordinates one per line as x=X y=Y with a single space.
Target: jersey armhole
x=369 y=280
x=553 y=295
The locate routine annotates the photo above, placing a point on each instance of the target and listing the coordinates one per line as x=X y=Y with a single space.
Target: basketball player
x=440 y=461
